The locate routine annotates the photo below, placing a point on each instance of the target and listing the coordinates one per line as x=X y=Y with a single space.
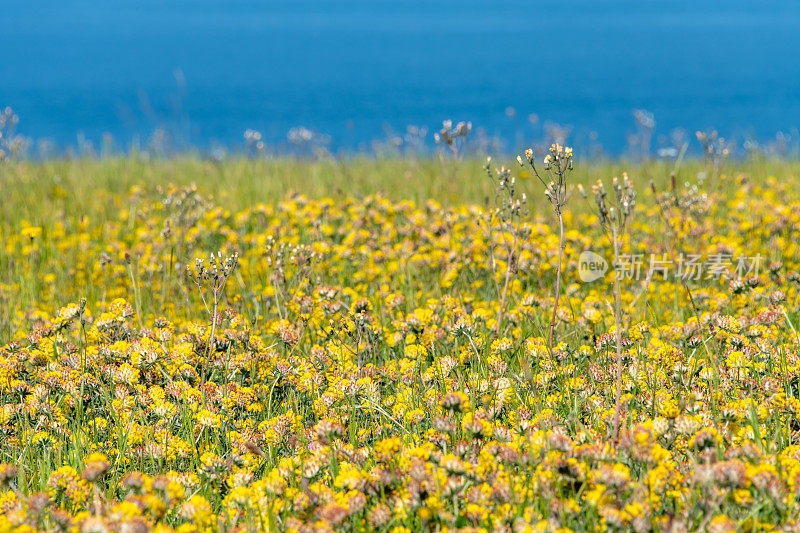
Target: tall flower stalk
x=508 y=218
x=210 y=282
x=557 y=166
x=613 y=214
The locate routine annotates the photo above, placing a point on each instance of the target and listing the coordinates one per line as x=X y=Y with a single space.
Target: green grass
x=400 y=304
x=70 y=186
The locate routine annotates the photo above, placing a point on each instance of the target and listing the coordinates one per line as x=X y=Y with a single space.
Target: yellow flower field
x=173 y=360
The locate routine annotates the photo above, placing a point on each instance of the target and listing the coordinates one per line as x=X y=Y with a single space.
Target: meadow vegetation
x=398 y=344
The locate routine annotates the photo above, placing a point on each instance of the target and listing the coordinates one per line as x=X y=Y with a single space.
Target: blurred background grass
x=39 y=191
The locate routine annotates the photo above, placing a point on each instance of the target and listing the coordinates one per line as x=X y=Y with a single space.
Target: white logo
x=591 y=266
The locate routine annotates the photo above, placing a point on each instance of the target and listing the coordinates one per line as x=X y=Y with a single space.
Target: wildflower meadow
x=400 y=344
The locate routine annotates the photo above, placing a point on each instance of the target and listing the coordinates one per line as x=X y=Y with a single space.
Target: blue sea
x=201 y=72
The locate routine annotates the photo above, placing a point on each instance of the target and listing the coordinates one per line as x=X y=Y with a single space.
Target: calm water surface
x=207 y=70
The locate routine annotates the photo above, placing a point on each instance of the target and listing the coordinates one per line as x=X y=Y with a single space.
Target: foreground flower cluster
x=350 y=376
